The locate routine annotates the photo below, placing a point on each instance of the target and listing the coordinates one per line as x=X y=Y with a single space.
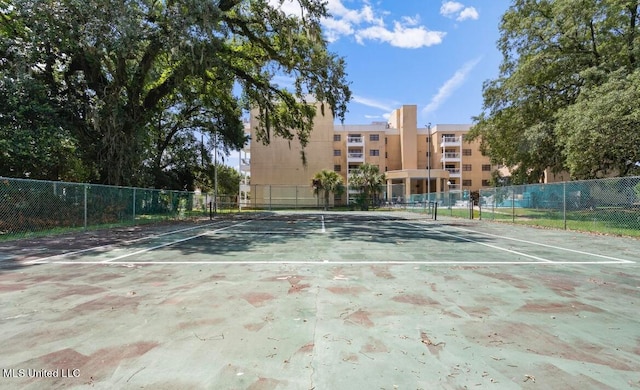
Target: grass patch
x=615 y=221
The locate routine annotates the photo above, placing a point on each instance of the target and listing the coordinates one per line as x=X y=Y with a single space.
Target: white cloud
x=468 y=13
x=365 y=14
x=367 y=23
x=449 y=86
x=373 y=103
x=411 y=21
x=450 y=8
x=453 y=9
x=289 y=7
x=334 y=29
x=401 y=36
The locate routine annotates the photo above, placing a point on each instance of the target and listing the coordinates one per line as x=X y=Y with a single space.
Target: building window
x=385 y=140
x=374 y=137
x=374 y=152
x=386 y=154
x=337 y=168
x=336 y=137
x=386 y=169
x=486 y=183
x=337 y=152
x=467 y=183
x=467 y=167
x=486 y=167
x=466 y=152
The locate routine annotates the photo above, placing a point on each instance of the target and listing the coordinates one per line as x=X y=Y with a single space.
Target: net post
x=470 y=207
x=435 y=211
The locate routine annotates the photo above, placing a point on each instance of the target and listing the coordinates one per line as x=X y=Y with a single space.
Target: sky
x=432 y=53
x=435 y=54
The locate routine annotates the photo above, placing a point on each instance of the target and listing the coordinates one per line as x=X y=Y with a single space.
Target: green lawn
x=617 y=221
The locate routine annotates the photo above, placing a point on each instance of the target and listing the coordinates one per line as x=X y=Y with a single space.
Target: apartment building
x=415 y=159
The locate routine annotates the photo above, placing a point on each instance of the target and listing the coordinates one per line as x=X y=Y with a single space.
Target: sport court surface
x=321 y=301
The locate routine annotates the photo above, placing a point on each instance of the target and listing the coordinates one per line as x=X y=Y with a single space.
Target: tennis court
x=321 y=300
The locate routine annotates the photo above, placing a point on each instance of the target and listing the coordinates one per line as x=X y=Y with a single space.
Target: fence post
x=85 y=206
x=564 y=204
x=134 y=205
x=513 y=204
x=493 y=204
x=269 y=197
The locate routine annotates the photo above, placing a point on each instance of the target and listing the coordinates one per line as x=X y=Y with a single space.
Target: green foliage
x=228 y=180
x=132 y=83
x=33 y=140
x=557 y=54
x=327 y=182
x=600 y=131
x=368 y=179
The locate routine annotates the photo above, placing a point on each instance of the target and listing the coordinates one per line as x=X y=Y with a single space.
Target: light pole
x=215 y=172
x=429 y=162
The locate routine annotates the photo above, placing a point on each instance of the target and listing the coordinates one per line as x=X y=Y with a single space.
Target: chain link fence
x=603 y=205
x=273 y=197
x=28 y=207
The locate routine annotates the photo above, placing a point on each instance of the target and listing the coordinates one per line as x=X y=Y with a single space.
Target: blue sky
x=432 y=53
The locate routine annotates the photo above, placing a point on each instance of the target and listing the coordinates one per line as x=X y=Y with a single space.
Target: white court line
x=172 y=242
x=546 y=245
x=485 y=244
x=45 y=259
x=337 y=262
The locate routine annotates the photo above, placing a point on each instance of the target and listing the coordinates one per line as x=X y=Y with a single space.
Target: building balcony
x=245 y=164
x=355 y=140
x=451 y=141
x=355 y=157
x=454 y=172
x=245 y=187
x=451 y=157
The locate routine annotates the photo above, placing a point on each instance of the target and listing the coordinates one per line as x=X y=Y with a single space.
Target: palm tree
x=369 y=180
x=328 y=182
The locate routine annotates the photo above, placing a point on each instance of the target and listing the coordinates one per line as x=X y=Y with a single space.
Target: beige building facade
x=415 y=159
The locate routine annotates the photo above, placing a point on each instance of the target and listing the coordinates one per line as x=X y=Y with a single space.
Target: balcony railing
x=353 y=156
x=451 y=141
x=351 y=140
x=450 y=156
x=453 y=172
